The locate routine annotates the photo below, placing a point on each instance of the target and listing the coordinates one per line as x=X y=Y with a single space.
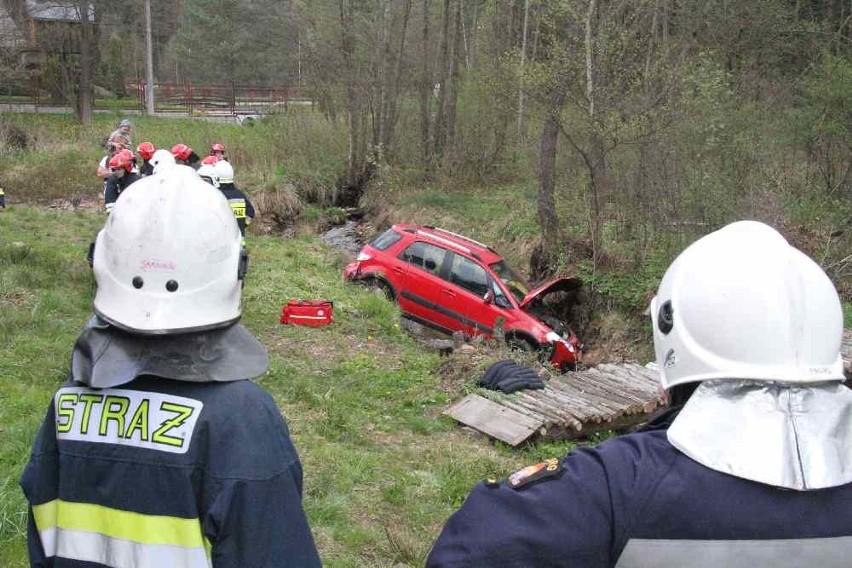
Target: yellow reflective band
x=115 y=523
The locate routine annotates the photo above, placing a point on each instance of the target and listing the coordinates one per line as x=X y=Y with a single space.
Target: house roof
x=56 y=10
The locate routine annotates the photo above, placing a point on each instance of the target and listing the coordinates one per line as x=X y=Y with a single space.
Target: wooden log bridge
x=573 y=405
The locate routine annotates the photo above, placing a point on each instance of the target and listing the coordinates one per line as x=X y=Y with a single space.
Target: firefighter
x=207 y=171
x=751 y=464
x=186 y=156
x=217 y=149
x=113 y=148
x=146 y=152
x=160 y=450
x=122 y=133
x=161 y=160
x=240 y=203
x=121 y=165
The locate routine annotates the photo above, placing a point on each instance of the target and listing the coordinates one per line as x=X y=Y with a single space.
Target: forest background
x=587 y=137
x=639 y=124
x=639 y=120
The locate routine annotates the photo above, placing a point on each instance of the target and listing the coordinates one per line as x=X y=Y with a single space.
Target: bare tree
x=521 y=70
x=69 y=32
x=425 y=93
x=347 y=46
x=444 y=67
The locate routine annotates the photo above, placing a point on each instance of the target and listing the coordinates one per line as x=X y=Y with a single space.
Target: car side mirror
x=488 y=298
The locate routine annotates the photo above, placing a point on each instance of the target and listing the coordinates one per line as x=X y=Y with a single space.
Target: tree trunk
x=425 y=95
x=521 y=71
x=393 y=98
x=499 y=40
x=597 y=156
x=347 y=50
x=444 y=62
x=598 y=184
x=380 y=62
x=453 y=84
x=548 y=220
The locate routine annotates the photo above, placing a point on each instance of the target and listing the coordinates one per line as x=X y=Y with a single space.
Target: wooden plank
x=539 y=399
x=631 y=401
x=571 y=405
x=585 y=407
x=493 y=419
x=588 y=383
x=638 y=378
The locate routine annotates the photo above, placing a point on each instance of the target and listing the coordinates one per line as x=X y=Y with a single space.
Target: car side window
x=469 y=275
x=425 y=256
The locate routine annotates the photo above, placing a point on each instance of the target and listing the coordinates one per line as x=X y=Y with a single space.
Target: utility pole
x=149 y=62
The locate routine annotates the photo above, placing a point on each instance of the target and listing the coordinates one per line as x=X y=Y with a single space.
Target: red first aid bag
x=314 y=313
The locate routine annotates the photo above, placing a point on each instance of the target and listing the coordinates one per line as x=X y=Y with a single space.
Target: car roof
x=451 y=240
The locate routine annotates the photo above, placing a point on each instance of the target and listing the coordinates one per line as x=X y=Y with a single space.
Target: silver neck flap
x=792 y=436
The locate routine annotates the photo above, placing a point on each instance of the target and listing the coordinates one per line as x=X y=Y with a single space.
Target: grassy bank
x=383 y=467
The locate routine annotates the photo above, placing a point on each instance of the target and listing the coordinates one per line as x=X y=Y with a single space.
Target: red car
x=452 y=283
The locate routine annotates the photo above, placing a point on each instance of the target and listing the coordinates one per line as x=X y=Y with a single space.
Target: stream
x=344 y=237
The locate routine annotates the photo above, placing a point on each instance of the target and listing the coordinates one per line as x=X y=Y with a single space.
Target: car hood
x=564 y=284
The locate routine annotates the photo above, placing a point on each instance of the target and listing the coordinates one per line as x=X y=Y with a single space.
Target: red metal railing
x=214 y=99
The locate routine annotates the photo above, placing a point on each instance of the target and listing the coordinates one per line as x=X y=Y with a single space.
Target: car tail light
x=362 y=256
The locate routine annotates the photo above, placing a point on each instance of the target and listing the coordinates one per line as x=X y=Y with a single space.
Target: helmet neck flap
x=105 y=356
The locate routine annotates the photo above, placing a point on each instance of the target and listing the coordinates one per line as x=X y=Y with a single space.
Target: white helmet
x=169 y=259
x=208 y=173
x=162 y=159
x=225 y=171
x=741 y=303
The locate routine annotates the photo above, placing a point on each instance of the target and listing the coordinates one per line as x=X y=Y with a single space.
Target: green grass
x=294 y=146
x=383 y=467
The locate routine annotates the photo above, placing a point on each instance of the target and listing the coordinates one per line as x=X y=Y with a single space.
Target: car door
x=469 y=284
x=421 y=295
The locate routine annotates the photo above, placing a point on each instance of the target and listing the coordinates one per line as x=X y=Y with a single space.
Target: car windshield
x=514 y=282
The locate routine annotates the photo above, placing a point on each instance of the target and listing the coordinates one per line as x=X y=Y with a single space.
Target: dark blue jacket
x=167 y=472
x=114 y=186
x=639 y=489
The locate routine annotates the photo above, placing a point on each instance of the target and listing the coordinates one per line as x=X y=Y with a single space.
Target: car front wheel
x=379 y=286
x=520 y=343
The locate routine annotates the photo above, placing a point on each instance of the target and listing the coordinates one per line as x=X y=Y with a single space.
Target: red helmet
x=122 y=159
x=217 y=147
x=181 y=152
x=146 y=150
x=210 y=160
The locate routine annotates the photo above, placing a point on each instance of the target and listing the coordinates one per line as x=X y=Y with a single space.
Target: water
x=344 y=238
